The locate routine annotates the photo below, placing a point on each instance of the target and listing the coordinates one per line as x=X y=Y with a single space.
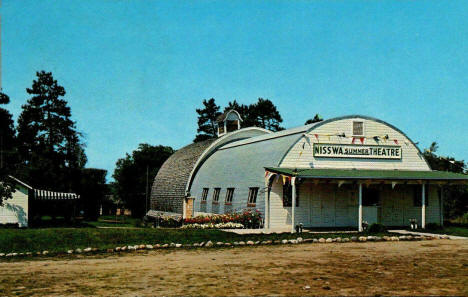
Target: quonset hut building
x=335 y=173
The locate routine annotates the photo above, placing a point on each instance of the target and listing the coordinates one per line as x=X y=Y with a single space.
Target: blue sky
x=135 y=71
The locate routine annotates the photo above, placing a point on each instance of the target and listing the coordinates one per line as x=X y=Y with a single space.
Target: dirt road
x=389 y=268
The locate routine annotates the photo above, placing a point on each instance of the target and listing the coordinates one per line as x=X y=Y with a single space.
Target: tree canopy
x=317 y=118
x=7 y=149
x=130 y=174
x=92 y=190
x=262 y=113
x=50 y=147
x=207 y=120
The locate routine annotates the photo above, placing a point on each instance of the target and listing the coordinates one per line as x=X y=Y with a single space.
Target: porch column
x=267 y=204
x=441 y=206
x=360 y=209
x=423 y=207
x=293 y=206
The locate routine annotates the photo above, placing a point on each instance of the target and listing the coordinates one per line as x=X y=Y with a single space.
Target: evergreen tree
x=263 y=114
x=7 y=149
x=207 y=116
x=317 y=118
x=51 y=152
x=245 y=112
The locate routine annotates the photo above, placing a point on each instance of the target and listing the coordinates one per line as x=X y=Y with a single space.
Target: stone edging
x=208 y=244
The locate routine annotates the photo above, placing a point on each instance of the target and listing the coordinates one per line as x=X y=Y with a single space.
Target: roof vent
x=228 y=122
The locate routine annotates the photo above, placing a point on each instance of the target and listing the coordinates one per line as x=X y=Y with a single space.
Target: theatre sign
x=332 y=150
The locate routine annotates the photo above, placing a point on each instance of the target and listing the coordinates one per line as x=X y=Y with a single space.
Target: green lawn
x=451 y=230
x=102 y=221
x=115 y=221
x=62 y=239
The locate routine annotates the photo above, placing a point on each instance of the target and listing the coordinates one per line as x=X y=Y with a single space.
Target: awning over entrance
x=358 y=174
x=49 y=195
x=360 y=178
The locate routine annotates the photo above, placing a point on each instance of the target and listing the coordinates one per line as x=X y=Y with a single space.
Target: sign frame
x=373 y=157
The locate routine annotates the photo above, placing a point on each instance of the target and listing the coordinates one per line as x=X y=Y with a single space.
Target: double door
x=333 y=206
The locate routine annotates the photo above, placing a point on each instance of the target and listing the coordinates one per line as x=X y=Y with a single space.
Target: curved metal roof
x=216 y=157
x=282 y=133
x=168 y=190
x=173 y=180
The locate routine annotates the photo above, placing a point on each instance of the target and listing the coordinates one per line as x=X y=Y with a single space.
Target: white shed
x=15 y=210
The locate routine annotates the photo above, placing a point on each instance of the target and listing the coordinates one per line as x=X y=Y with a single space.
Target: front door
x=371 y=205
x=322 y=206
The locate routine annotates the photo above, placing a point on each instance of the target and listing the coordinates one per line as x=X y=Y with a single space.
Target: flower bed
x=250 y=219
x=229 y=225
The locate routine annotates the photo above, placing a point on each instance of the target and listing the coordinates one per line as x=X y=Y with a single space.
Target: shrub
x=250 y=219
x=137 y=223
x=169 y=222
x=433 y=226
x=377 y=228
x=214 y=226
x=460 y=220
x=463 y=219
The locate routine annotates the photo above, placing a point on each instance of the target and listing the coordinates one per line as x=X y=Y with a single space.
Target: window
x=358 y=128
x=417 y=196
x=204 y=195
x=252 y=196
x=216 y=195
x=229 y=194
x=287 y=195
x=370 y=197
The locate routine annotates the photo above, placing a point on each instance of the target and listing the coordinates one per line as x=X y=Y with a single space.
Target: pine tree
x=317 y=118
x=50 y=148
x=207 y=120
x=244 y=111
x=7 y=150
x=265 y=115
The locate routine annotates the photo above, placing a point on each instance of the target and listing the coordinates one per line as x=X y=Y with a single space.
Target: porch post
x=423 y=206
x=293 y=206
x=267 y=203
x=360 y=208
x=441 y=206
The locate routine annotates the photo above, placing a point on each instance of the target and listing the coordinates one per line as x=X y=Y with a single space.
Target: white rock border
x=298 y=240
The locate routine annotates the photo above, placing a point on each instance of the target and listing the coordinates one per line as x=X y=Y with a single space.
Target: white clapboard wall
x=411 y=158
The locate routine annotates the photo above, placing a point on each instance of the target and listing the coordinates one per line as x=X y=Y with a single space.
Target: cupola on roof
x=228 y=122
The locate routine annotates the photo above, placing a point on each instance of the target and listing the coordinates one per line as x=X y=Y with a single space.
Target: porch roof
x=367 y=174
